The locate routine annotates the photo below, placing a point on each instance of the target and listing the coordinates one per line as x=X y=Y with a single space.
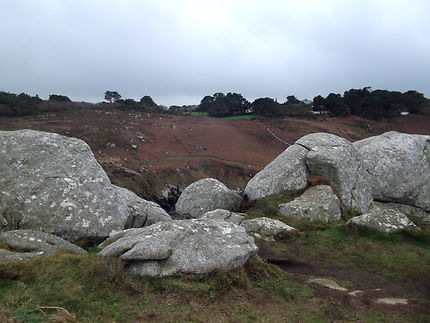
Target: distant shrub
x=59 y=98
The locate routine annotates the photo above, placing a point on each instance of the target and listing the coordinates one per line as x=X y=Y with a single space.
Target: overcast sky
x=178 y=51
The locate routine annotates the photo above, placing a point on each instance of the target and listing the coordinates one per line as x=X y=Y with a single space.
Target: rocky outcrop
x=193 y=246
x=267 y=229
x=206 y=195
x=53 y=183
x=387 y=221
x=318 y=203
x=224 y=215
x=288 y=171
x=399 y=167
x=27 y=244
x=336 y=159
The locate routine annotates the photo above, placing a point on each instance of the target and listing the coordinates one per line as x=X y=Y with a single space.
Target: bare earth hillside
x=143 y=152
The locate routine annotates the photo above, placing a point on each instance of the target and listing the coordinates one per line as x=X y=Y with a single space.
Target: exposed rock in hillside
x=317 y=203
x=383 y=220
x=337 y=160
x=224 y=215
x=54 y=184
x=399 y=167
x=408 y=210
x=26 y=244
x=288 y=171
x=267 y=229
x=206 y=195
x=193 y=246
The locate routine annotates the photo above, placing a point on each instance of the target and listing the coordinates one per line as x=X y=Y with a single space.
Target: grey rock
x=317 y=203
x=392 y=301
x=224 y=215
x=267 y=229
x=408 y=210
x=336 y=159
x=387 y=221
x=288 y=171
x=193 y=246
x=26 y=244
x=206 y=195
x=399 y=167
x=53 y=183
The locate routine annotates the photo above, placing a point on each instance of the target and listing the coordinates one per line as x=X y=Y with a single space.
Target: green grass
x=85 y=288
x=205 y=114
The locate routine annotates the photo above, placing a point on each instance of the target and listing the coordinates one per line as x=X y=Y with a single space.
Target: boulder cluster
x=54 y=195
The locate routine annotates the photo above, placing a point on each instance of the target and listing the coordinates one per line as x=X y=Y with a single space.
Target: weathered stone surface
x=206 y=195
x=53 y=183
x=288 y=171
x=337 y=160
x=224 y=215
x=399 y=167
x=184 y=246
x=266 y=228
x=407 y=210
x=317 y=203
x=383 y=220
x=392 y=301
x=26 y=244
x=327 y=283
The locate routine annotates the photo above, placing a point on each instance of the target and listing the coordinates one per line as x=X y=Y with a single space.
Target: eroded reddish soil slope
x=146 y=151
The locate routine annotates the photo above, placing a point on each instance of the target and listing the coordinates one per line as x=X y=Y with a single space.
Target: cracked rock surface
x=54 y=184
x=337 y=160
x=192 y=246
x=399 y=167
x=27 y=244
x=206 y=195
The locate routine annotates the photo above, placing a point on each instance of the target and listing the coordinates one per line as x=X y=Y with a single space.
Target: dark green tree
x=148 y=101
x=112 y=96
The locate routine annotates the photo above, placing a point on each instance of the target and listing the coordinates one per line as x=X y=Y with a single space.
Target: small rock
x=327 y=283
x=318 y=203
x=387 y=221
x=392 y=301
x=356 y=293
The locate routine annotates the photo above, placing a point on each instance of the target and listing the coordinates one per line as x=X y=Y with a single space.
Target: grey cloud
x=179 y=51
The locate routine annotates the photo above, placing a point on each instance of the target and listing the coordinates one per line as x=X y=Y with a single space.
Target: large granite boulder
x=206 y=195
x=193 y=246
x=317 y=203
x=26 y=244
x=399 y=167
x=288 y=171
x=336 y=159
x=267 y=229
x=387 y=221
x=53 y=183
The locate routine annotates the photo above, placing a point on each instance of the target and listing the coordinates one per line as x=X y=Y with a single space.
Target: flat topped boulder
x=26 y=244
x=387 y=221
x=54 y=184
x=399 y=167
x=337 y=160
x=193 y=246
x=317 y=203
x=288 y=171
x=206 y=195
